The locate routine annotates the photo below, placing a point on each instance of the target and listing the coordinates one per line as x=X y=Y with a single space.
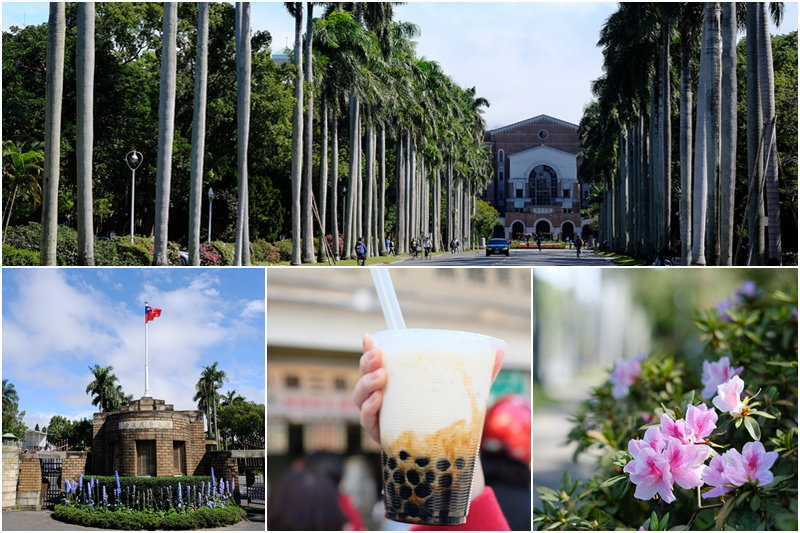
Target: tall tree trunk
x=382 y=193
x=686 y=143
x=713 y=89
x=728 y=133
x=701 y=148
x=370 y=168
x=166 y=132
x=85 y=130
x=666 y=150
x=199 y=132
x=400 y=226
x=297 y=138
x=755 y=163
x=308 y=145
x=352 y=196
x=359 y=226
x=323 y=179
x=243 y=59
x=437 y=210
x=335 y=187
x=56 y=32
x=767 y=89
x=449 y=203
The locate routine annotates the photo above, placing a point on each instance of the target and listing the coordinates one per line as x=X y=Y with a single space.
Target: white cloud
x=253 y=308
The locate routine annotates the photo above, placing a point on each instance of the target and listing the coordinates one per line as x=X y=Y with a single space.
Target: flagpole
x=146 y=368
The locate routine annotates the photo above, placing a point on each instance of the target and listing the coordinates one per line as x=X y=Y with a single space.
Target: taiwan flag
x=151 y=313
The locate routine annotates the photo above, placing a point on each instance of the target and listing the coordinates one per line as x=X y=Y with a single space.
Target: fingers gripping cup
x=431 y=421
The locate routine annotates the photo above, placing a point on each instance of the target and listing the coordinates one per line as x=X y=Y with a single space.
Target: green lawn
x=370 y=260
x=623 y=260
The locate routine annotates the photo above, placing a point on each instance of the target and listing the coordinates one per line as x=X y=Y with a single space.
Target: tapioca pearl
x=397 y=503
x=460 y=463
x=391 y=463
x=422 y=462
x=404 y=456
x=445 y=480
x=385 y=474
x=430 y=476
x=444 y=499
x=391 y=491
x=431 y=505
x=399 y=477
x=423 y=490
x=405 y=492
x=442 y=464
x=383 y=458
x=411 y=509
x=413 y=477
x=424 y=513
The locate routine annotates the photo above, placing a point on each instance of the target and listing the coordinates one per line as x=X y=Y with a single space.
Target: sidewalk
x=44 y=521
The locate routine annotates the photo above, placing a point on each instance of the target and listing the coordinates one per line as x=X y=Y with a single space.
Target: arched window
x=543 y=185
x=501 y=156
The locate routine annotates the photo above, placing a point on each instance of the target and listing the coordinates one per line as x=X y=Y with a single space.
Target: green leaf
x=723 y=513
x=546 y=493
x=775 y=481
x=786 y=364
x=609 y=482
x=654 y=522
x=755 y=503
x=752 y=427
x=762 y=413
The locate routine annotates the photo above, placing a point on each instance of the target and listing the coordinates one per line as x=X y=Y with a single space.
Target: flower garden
x=134 y=503
x=686 y=444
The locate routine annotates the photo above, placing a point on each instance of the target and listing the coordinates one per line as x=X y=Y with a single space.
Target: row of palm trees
x=108 y=396
x=626 y=135
x=207 y=397
x=357 y=61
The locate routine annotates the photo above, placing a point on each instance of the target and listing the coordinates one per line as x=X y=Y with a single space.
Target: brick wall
x=75 y=464
x=30 y=483
x=224 y=464
x=10 y=476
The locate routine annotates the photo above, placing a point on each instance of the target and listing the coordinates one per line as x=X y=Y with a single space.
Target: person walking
x=578 y=244
x=427 y=246
x=361 y=253
x=539 y=242
x=414 y=248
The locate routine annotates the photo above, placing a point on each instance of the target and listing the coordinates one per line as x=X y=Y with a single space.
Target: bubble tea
x=431 y=421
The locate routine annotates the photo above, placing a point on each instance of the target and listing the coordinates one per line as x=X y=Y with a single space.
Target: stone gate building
x=535 y=185
x=149 y=438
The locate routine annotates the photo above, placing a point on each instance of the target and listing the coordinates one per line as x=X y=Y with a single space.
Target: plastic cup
x=431 y=420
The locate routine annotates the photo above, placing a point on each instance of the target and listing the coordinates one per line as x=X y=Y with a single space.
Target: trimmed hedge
x=155 y=483
x=16 y=257
x=142 y=520
x=264 y=252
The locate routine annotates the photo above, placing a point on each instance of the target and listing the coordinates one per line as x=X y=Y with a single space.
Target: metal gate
x=51 y=482
x=253 y=470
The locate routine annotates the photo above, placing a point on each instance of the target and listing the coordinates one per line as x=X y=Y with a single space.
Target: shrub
x=265 y=252
x=649 y=411
x=17 y=257
x=136 y=254
x=105 y=252
x=24 y=237
x=203 y=518
x=284 y=249
x=225 y=252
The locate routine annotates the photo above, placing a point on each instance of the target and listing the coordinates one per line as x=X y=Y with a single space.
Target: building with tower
x=535 y=185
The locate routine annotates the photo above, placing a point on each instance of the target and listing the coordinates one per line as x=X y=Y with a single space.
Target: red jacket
x=484 y=515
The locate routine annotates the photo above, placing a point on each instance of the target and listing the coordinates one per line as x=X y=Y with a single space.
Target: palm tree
x=10 y=396
x=120 y=398
x=85 y=130
x=56 y=33
x=296 y=10
x=166 y=132
x=204 y=395
x=22 y=166
x=755 y=164
x=211 y=379
x=229 y=398
x=243 y=59
x=198 y=133
x=767 y=89
x=308 y=146
x=713 y=88
x=103 y=388
x=727 y=182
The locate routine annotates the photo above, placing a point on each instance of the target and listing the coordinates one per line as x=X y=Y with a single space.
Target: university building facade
x=535 y=185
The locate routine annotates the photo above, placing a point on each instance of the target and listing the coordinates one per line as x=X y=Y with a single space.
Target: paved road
x=44 y=521
x=516 y=259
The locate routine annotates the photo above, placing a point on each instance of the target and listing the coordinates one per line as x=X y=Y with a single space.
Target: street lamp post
x=210 y=200
x=134 y=160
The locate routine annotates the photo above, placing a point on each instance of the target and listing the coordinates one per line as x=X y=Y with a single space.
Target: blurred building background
x=589 y=318
x=316 y=319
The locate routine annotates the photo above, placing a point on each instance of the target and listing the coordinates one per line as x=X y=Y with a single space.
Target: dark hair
x=500 y=468
x=305 y=500
x=328 y=463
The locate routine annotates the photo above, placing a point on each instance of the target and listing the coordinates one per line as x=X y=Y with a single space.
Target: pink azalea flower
x=674 y=428
x=700 y=422
x=652 y=439
x=752 y=465
x=715 y=374
x=651 y=474
x=729 y=397
x=722 y=309
x=625 y=373
x=714 y=475
x=686 y=463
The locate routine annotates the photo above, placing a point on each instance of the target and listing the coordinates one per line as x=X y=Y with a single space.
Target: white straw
x=387 y=297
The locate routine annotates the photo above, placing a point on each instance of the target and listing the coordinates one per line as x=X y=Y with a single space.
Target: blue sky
x=59 y=322
x=526 y=58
